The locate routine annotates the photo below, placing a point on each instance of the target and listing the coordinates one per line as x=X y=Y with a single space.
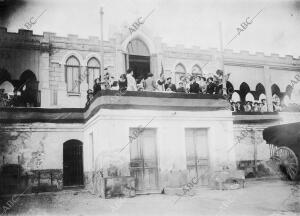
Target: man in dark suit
x=194 y=87
x=170 y=85
x=211 y=87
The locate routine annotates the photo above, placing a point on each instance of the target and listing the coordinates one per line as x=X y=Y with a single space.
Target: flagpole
x=221 y=46
x=101 y=44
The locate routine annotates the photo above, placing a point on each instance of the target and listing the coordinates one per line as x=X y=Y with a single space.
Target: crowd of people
x=187 y=84
x=193 y=84
x=256 y=106
x=20 y=97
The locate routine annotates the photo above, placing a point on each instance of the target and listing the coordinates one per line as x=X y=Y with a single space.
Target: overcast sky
x=190 y=22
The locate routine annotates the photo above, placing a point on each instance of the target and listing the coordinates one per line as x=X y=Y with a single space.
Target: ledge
x=255 y=117
x=31 y=115
x=109 y=99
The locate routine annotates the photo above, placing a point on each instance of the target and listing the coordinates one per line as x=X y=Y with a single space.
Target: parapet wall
x=49 y=37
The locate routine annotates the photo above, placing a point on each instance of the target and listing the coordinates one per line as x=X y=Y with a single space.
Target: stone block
x=227 y=180
x=119 y=186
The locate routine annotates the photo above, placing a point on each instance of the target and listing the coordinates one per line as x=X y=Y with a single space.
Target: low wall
x=14 y=180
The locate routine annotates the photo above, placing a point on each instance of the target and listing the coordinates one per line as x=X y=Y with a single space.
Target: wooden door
x=143 y=160
x=72 y=163
x=196 y=142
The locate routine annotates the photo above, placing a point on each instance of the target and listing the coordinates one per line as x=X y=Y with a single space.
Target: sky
x=276 y=29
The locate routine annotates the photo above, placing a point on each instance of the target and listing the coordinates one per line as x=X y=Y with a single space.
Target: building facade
x=65 y=143
x=64 y=67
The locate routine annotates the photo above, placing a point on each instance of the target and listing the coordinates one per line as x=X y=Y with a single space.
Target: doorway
x=140 y=66
x=143 y=160
x=196 y=142
x=72 y=163
x=138 y=59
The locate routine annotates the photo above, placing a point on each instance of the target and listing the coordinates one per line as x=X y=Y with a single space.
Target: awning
x=284 y=135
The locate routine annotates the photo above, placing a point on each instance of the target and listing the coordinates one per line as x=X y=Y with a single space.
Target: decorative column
x=43 y=75
x=154 y=65
x=267 y=84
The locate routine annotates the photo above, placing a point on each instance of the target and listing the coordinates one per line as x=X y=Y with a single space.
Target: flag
x=162 y=70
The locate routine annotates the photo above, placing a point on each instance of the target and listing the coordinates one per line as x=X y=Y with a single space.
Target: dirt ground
x=272 y=197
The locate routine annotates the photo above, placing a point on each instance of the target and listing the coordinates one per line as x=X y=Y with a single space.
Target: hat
x=219 y=71
x=123 y=76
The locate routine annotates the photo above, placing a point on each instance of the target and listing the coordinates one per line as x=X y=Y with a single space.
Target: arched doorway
x=138 y=58
x=244 y=89
x=276 y=90
x=28 y=85
x=259 y=89
x=229 y=88
x=72 y=163
x=4 y=75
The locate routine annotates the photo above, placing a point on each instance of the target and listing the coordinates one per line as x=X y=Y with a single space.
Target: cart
x=284 y=143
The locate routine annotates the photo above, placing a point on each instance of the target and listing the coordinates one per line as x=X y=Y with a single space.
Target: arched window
x=196 y=70
x=93 y=69
x=137 y=47
x=179 y=71
x=73 y=75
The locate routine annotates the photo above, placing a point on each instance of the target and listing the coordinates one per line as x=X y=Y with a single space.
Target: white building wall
x=250 y=75
x=111 y=134
x=282 y=78
x=37 y=142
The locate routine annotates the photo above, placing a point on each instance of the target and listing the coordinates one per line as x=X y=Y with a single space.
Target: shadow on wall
x=21 y=168
x=14 y=179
